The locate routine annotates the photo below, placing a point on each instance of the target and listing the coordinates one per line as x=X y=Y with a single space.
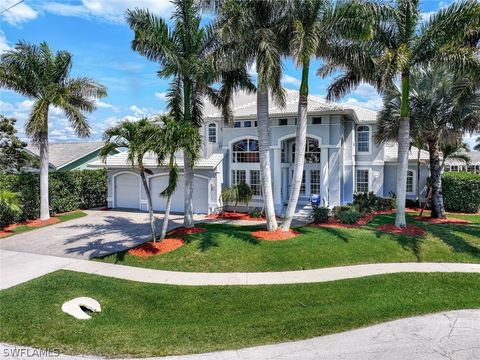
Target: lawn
x=62 y=217
x=227 y=248
x=139 y=319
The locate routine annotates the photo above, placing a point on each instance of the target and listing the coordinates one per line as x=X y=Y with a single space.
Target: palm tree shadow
x=447 y=234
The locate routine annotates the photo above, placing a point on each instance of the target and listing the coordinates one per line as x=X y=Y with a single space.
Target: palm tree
x=455 y=149
x=255 y=34
x=402 y=41
x=10 y=201
x=175 y=137
x=139 y=138
x=39 y=74
x=186 y=54
x=477 y=145
x=444 y=105
x=314 y=24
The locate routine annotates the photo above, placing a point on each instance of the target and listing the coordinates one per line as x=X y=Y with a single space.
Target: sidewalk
x=17 y=268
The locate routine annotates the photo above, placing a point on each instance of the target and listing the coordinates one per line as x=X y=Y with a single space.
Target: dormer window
x=363 y=139
x=212 y=133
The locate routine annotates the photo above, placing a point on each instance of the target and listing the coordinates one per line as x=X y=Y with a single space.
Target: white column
x=277 y=180
x=324 y=185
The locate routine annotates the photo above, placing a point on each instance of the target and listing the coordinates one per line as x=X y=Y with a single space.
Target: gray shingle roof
x=120 y=161
x=61 y=154
x=245 y=105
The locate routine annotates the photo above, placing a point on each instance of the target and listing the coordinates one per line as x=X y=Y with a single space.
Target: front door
x=310 y=182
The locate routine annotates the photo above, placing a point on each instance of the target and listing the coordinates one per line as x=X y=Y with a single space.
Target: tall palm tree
x=139 y=138
x=313 y=26
x=256 y=33
x=402 y=41
x=455 y=149
x=39 y=74
x=175 y=137
x=444 y=105
x=185 y=53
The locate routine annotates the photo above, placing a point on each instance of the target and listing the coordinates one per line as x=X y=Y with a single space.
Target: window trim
x=369 y=182
x=216 y=132
x=369 y=140
x=248 y=139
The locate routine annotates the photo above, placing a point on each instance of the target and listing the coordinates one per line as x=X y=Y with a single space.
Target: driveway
x=98 y=234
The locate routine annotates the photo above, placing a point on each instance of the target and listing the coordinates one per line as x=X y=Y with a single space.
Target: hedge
x=461 y=192
x=68 y=190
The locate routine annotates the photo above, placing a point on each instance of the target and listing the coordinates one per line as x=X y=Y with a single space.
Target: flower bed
x=186 y=231
x=157 y=248
x=410 y=230
x=276 y=235
x=30 y=223
x=235 y=216
x=450 y=220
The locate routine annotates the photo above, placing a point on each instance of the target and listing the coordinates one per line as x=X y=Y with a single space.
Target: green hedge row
x=461 y=191
x=69 y=190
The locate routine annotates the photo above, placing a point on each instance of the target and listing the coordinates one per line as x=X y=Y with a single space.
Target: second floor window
x=212 y=133
x=312 y=152
x=245 y=151
x=363 y=139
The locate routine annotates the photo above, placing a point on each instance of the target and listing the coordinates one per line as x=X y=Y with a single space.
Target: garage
x=200 y=194
x=127 y=191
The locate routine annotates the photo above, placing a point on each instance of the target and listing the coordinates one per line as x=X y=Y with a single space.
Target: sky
x=95 y=33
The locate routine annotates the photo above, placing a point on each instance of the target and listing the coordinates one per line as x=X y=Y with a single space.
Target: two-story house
x=341 y=158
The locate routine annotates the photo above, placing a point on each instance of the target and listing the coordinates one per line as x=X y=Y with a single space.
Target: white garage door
x=200 y=194
x=127 y=191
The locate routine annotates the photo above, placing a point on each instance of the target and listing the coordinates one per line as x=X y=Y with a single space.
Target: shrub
x=240 y=193
x=385 y=204
x=320 y=214
x=256 y=213
x=461 y=191
x=349 y=216
x=338 y=209
x=366 y=201
x=69 y=190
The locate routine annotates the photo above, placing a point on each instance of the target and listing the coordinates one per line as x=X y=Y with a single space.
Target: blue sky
x=95 y=33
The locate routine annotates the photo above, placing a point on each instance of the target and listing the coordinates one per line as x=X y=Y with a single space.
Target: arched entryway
x=311 y=183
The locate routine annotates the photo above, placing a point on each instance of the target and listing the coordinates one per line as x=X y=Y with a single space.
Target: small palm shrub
x=350 y=216
x=240 y=193
x=320 y=214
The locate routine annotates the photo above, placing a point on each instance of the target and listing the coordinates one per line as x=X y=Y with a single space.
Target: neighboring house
x=460 y=165
x=70 y=156
x=341 y=158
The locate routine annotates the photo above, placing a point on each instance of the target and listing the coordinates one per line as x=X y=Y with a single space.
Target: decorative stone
x=73 y=307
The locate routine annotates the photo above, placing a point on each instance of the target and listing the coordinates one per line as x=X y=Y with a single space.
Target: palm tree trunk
x=300 y=142
x=264 y=150
x=44 y=201
x=150 y=205
x=166 y=218
x=403 y=146
x=187 y=163
x=438 y=210
x=419 y=153
x=188 y=173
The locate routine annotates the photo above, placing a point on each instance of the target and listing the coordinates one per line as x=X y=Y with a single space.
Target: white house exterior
x=341 y=158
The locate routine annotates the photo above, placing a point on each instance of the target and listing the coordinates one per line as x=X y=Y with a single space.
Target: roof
x=474 y=159
x=62 y=154
x=245 y=104
x=391 y=153
x=149 y=160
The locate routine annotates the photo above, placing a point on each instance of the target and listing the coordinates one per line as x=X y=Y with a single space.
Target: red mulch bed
x=30 y=223
x=450 y=220
x=235 y=216
x=184 y=231
x=410 y=230
x=361 y=222
x=276 y=235
x=158 y=248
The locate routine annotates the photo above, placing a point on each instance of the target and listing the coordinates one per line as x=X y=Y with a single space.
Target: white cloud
x=161 y=95
x=471 y=140
x=3 y=42
x=105 y=105
x=290 y=80
x=18 y=13
x=372 y=104
x=426 y=15
x=110 y=10
x=142 y=112
x=252 y=69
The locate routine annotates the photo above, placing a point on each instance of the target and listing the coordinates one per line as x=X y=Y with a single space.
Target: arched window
x=245 y=151
x=312 y=152
x=363 y=139
x=410 y=179
x=212 y=132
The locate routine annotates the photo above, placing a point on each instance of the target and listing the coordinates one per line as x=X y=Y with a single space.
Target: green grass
x=227 y=248
x=63 y=217
x=139 y=319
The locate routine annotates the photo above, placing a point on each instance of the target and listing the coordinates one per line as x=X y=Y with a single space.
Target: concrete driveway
x=98 y=234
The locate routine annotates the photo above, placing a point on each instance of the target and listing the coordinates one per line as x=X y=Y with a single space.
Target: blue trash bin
x=315 y=200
